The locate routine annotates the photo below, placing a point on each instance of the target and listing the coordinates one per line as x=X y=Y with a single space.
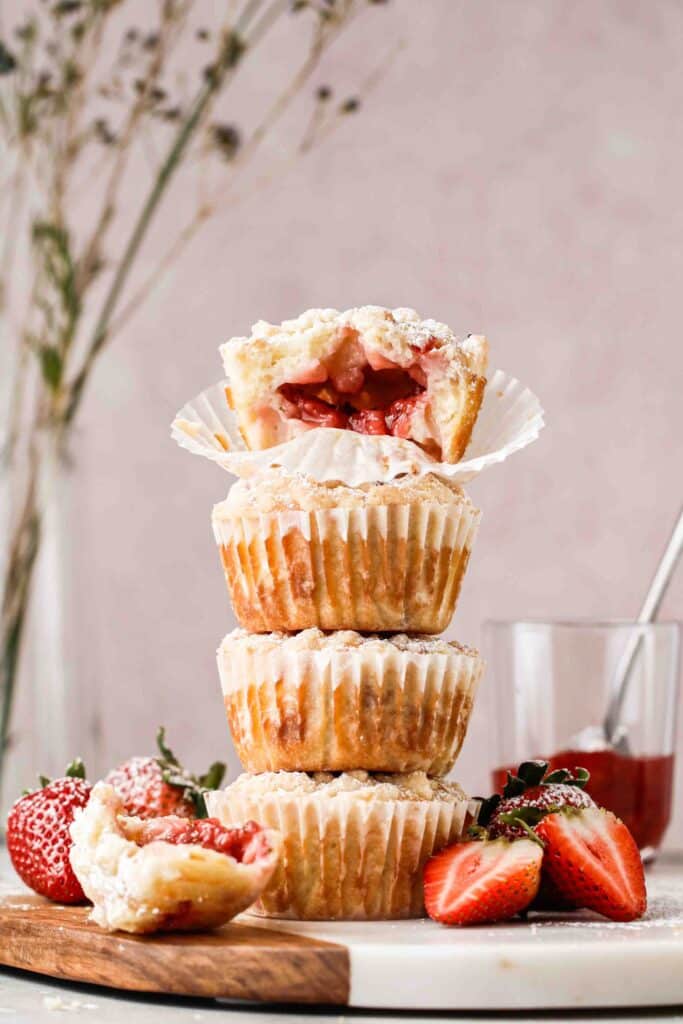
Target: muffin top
x=359 y=785
x=278 y=491
x=371 y=370
x=341 y=641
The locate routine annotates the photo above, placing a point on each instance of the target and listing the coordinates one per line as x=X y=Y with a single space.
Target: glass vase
x=48 y=686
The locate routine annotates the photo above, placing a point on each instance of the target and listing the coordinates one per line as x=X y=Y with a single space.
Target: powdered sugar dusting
x=665 y=912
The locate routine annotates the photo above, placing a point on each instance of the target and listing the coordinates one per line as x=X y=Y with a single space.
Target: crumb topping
x=386 y=328
x=344 y=640
x=276 y=490
x=361 y=785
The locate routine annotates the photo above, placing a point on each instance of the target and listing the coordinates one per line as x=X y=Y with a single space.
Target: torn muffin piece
x=166 y=874
x=371 y=370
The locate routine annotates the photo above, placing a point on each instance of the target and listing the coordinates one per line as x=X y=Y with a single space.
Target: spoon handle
x=648 y=613
x=665 y=570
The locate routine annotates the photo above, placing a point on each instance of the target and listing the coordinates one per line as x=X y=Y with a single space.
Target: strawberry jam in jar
x=638 y=790
x=553 y=684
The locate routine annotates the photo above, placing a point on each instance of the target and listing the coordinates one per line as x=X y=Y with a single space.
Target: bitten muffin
x=313 y=701
x=375 y=558
x=354 y=845
x=139 y=880
x=371 y=370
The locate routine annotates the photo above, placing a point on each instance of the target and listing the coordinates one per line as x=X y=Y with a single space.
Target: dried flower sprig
x=82 y=91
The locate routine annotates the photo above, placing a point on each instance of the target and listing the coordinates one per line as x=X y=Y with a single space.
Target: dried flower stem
x=44 y=121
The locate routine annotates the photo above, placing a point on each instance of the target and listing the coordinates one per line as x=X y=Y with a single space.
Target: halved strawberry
x=593 y=862
x=482 y=881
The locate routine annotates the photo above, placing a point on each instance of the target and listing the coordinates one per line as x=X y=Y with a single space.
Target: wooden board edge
x=237 y=962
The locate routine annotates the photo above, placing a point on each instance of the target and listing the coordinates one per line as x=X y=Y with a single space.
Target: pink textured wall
x=518 y=172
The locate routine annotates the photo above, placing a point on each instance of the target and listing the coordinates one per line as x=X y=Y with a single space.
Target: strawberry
x=38 y=837
x=482 y=881
x=530 y=795
x=527 y=798
x=369 y=421
x=399 y=415
x=314 y=410
x=206 y=832
x=152 y=787
x=593 y=861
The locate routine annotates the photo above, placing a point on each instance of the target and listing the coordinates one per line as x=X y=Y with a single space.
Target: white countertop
x=33 y=999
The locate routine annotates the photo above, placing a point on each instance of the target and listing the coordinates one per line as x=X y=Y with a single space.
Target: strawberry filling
x=363 y=399
x=245 y=844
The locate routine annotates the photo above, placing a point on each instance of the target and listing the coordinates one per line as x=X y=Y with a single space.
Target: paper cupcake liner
x=382 y=710
x=510 y=418
x=345 y=858
x=379 y=568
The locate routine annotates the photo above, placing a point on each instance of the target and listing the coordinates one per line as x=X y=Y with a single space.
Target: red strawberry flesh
x=400 y=415
x=245 y=844
x=593 y=861
x=357 y=396
x=369 y=421
x=482 y=881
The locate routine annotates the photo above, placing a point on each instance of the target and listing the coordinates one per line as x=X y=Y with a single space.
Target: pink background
x=518 y=173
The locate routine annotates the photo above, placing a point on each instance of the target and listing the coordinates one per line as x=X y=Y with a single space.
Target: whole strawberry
x=154 y=787
x=38 y=837
x=530 y=796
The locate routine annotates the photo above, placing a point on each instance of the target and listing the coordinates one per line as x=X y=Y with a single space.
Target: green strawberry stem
x=193 y=787
x=529 y=775
x=75 y=770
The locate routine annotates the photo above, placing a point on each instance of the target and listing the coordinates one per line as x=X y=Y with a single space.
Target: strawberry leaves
x=563 y=777
x=533 y=773
x=530 y=795
x=193 y=788
x=75 y=770
x=527 y=818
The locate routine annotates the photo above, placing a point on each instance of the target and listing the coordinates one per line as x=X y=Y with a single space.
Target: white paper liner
x=346 y=858
x=373 y=707
x=377 y=568
x=510 y=418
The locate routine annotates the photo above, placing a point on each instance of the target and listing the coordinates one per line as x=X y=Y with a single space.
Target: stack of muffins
x=345 y=709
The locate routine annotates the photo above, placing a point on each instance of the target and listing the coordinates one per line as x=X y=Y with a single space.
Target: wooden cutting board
x=239 y=961
x=550 y=962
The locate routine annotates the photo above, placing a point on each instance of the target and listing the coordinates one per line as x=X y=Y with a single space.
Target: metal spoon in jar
x=611 y=733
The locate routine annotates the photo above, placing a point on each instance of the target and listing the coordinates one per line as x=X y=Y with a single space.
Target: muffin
x=374 y=558
x=371 y=370
x=313 y=701
x=354 y=845
x=141 y=879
